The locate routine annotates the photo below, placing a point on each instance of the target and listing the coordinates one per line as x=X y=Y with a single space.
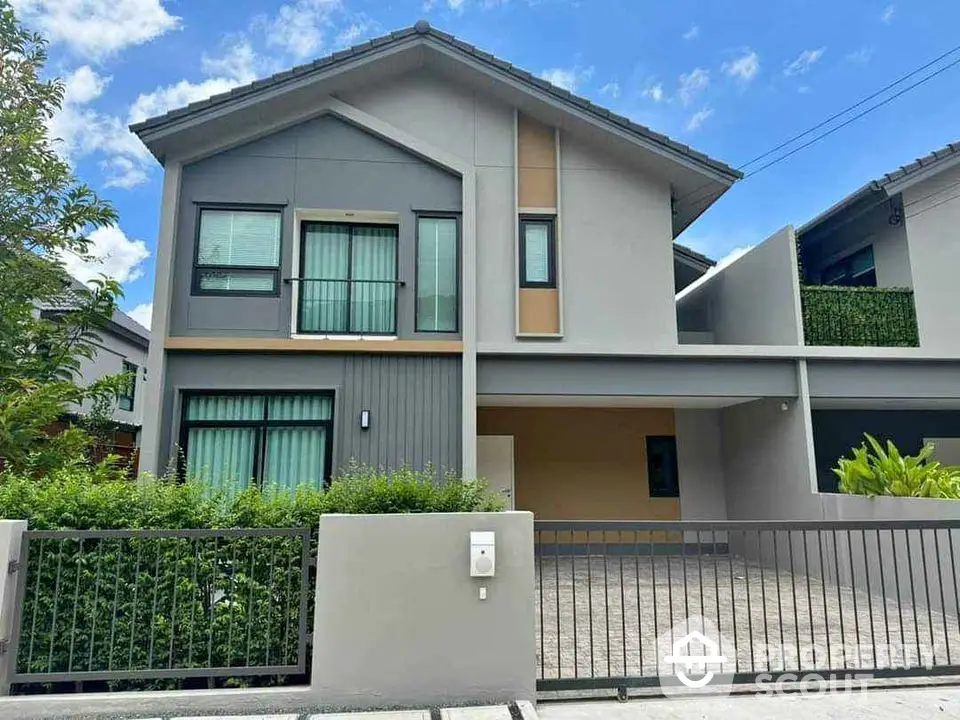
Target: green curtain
x=374 y=257
x=437 y=275
x=323 y=305
x=222 y=458
x=296 y=455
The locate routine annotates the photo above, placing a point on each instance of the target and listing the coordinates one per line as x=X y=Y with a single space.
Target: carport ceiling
x=618 y=401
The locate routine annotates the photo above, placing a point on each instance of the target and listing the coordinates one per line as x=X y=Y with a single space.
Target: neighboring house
x=122 y=347
x=412 y=252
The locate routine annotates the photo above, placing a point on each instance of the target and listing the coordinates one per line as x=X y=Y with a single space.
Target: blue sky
x=732 y=78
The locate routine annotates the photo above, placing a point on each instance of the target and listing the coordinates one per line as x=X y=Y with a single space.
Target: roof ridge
x=423 y=29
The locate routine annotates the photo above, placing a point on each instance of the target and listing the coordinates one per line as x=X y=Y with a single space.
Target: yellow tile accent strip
x=536 y=164
x=539 y=311
x=249 y=344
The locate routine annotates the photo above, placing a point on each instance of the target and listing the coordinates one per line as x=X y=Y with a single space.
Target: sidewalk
x=932 y=702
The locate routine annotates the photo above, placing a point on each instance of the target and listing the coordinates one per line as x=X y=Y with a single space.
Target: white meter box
x=483 y=559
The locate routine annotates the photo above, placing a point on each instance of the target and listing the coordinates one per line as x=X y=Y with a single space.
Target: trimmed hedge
x=859 y=316
x=136 y=604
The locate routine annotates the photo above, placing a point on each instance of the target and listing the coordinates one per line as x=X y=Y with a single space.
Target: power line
x=837 y=115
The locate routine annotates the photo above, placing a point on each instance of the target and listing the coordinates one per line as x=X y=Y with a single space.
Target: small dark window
x=662 y=474
x=128 y=397
x=856 y=270
x=538 y=252
x=238 y=252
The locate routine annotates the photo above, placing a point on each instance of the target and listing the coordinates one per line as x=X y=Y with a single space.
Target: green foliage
x=875 y=470
x=45 y=214
x=859 y=316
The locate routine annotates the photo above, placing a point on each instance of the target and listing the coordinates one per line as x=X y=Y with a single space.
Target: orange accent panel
x=539 y=310
x=537 y=188
x=241 y=344
x=583 y=463
x=536 y=144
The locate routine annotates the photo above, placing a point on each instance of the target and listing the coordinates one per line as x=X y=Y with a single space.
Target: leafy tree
x=48 y=323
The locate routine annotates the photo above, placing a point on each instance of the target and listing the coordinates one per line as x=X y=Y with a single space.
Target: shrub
x=875 y=470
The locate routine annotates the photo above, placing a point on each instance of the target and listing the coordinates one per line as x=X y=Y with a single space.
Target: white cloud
x=654 y=92
x=744 y=68
x=568 y=78
x=698 y=119
x=97 y=29
x=111 y=253
x=612 y=89
x=239 y=63
x=299 y=28
x=168 y=97
x=692 y=84
x=455 y=4
x=861 y=56
x=888 y=12
x=123 y=172
x=805 y=60
x=142 y=313
x=693 y=33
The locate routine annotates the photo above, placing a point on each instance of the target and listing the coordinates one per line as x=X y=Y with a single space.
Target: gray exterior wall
x=414 y=401
x=421 y=637
x=700 y=465
x=664 y=377
x=890 y=252
x=835 y=432
x=883 y=379
x=753 y=301
x=932 y=215
x=765 y=462
x=323 y=164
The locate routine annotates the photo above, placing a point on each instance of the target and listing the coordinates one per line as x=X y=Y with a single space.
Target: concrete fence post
x=11 y=534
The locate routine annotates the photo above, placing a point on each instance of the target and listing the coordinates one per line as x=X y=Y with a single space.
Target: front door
x=495 y=464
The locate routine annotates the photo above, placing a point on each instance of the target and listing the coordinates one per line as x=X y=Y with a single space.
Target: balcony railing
x=347 y=307
x=859 y=316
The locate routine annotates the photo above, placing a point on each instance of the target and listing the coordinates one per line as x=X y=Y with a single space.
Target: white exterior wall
x=617 y=252
x=111 y=352
x=932 y=216
x=891 y=256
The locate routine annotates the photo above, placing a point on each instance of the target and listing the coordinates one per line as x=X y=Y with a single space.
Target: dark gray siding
x=414 y=401
x=884 y=379
x=835 y=432
x=664 y=377
x=322 y=164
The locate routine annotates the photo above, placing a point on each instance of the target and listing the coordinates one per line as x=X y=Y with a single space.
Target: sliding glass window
x=238 y=252
x=437 y=274
x=348 y=282
x=233 y=441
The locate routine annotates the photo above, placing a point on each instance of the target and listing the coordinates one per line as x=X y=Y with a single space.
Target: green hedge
x=184 y=603
x=859 y=316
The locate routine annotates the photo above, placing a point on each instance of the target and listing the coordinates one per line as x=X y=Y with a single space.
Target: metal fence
x=122 y=605
x=777 y=598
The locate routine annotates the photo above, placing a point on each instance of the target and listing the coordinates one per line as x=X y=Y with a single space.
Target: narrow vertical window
x=128 y=396
x=437 y=287
x=537 y=252
x=662 y=473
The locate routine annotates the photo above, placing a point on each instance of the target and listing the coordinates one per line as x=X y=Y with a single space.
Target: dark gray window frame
x=551 y=222
x=131 y=395
x=846 y=263
x=424 y=214
x=669 y=444
x=195 y=288
x=261 y=425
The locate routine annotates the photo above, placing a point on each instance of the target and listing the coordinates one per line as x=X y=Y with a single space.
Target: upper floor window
x=856 y=270
x=437 y=286
x=128 y=397
x=238 y=252
x=538 y=253
x=348 y=280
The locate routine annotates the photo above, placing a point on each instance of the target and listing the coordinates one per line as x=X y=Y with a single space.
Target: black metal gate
x=782 y=600
x=138 y=605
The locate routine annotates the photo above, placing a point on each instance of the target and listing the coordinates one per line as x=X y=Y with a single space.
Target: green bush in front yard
x=875 y=470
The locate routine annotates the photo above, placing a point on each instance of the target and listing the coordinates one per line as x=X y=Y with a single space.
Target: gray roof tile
x=424 y=29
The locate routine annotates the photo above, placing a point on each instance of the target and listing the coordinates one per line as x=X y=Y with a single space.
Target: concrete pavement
x=875 y=704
